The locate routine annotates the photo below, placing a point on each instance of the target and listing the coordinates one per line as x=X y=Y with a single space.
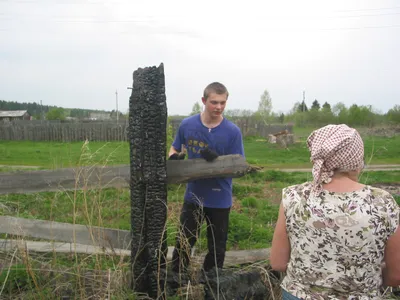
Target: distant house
x=12 y=115
x=99 y=116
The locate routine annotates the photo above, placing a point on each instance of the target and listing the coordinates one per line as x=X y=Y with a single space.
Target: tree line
x=34 y=109
x=51 y=112
x=315 y=115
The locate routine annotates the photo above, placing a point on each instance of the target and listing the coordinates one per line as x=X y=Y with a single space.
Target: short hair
x=215 y=87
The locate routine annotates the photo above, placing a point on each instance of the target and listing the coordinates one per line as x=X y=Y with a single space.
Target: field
x=252 y=221
x=378 y=150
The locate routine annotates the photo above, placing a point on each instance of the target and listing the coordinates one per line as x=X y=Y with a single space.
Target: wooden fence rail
x=71 y=238
x=178 y=171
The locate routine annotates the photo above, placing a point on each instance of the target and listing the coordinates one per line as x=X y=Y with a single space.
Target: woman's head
x=335 y=148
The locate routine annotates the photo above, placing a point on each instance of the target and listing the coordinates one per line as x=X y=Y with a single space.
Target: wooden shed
x=12 y=115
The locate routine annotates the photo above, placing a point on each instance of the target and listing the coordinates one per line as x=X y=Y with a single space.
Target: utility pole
x=127 y=119
x=116 y=100
x=304 y=100
x=41 y=111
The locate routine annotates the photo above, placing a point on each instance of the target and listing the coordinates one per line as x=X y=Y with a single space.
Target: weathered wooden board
x=65 y=232
x=118 y=176
x=232 y=258
x=69 y=238
x=192 y=169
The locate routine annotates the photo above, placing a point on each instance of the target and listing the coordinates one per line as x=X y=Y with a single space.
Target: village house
x=12 y=115
x=99 y=116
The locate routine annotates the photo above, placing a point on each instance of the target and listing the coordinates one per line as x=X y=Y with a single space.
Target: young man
x=206 y=135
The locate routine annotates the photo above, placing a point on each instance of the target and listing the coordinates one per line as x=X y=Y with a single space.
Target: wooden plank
x=58 y=247
x=232 y=258
x=193 y=169
x=119 y=176
x=65 y=232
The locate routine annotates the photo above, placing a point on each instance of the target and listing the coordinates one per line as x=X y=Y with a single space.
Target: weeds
x=30 y=275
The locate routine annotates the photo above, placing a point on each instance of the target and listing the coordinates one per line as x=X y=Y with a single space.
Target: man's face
x=215 y=104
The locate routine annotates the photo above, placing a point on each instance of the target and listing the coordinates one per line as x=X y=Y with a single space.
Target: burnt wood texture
x=148 y=184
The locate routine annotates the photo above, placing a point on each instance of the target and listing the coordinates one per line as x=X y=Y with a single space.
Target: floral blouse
x=337 y=241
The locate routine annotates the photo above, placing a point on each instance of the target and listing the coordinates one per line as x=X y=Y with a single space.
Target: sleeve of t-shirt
x=286 y=200
x=393 y=212
x=237 y=144
x=179 y=139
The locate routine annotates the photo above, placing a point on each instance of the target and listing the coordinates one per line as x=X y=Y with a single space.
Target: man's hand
x=177 y=156
x=208 y=154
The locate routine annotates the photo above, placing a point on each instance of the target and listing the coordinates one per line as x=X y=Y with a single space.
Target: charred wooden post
x=147 y=138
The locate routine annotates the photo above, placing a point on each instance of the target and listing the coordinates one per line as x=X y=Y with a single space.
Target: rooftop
x=12 y=113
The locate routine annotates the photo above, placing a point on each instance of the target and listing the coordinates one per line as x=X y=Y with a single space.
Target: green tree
x=326 y=107
x=56 y=114
x=196 y=109
x=355 y=116
x=315 y=105
x=327 y=116
x=393 y=115
x=367 y=116
x=113 y=114
x=264 y=107
x=281 y=118
x=302 y=107
x=79 y=113
x=341 y=113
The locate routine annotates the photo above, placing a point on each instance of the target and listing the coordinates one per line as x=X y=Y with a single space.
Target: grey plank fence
x=105 y=131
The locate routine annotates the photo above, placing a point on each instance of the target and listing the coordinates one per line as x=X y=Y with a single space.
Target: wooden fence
x=64 y=132
x=75 y=238
x=105 y=131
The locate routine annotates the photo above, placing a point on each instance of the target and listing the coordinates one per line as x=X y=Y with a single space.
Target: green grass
x=256 y=200
x=51 y=155
x=252 y=220
x=272 y=155
x=378 y=150
x=397 y=198
x=276 y=177
x=11 y=169
x=380 y=177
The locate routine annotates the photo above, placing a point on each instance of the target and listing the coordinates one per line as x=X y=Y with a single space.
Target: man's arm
x=174 y=154
x=172 y=150
x=237 y=146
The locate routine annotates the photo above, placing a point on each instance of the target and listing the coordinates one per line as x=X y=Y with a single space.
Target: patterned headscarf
x=334 y=147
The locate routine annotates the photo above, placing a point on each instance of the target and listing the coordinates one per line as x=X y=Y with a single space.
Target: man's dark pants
x=191 y=219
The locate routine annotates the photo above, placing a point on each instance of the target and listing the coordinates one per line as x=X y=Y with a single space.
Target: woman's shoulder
x=377 y=191
x=381 y=195
x=302 y=189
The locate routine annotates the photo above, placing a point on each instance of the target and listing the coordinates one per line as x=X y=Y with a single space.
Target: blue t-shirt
x=224 y=139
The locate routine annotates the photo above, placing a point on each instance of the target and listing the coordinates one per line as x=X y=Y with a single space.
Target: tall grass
x=31 y=275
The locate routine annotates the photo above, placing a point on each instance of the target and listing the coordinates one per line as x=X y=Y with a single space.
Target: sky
x=77 y=54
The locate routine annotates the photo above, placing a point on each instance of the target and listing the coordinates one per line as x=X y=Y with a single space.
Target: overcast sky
x=76 y=53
